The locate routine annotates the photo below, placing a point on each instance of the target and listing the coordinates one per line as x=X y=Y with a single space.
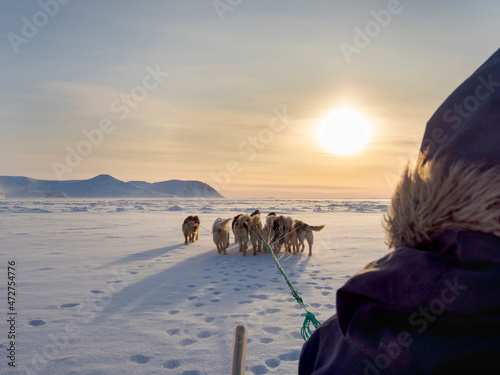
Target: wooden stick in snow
x=239 y=351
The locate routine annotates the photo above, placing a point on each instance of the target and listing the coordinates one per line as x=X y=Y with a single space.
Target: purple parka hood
x=432 y=305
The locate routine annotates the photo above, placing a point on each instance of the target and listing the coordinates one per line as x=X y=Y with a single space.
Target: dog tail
x=289 y=222
x=316 y=228
x=244 y=221
x=225 y=221
x=235 y=220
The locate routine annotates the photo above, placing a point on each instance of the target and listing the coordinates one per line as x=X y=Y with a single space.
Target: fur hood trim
x=436 y=197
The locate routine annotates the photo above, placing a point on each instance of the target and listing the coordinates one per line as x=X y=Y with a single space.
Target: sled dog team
x=277 y=232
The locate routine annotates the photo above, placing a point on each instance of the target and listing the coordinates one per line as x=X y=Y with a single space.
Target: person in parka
x=432 y=305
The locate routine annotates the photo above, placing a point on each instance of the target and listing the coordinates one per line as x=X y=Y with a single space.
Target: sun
x=344 y=132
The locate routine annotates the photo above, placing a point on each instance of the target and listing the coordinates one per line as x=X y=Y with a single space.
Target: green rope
x=309 y=316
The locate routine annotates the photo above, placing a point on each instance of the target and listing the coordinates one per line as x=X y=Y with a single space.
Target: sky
x=229 y=92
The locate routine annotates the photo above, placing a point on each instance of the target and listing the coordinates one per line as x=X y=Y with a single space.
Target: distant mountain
x=103 y=186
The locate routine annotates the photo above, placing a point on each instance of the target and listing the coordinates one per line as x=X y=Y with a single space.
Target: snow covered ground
x=108 y=286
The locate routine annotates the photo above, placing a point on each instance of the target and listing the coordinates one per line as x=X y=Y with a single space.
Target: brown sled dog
x=242 y=232
x=190 y=228
x=305 y=232
x=256 y=231
x=285 y=234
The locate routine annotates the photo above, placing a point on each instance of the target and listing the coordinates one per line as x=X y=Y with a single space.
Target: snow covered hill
x=103 y=186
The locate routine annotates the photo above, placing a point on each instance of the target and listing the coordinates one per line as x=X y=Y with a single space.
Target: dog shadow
x=168 y=290
x=142 y=256
x=163 y=290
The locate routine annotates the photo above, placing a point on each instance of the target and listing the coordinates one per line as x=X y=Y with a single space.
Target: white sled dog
x=242 y=232
x=191 y=228
x=268 y=231
x=220 y=231
x=305 y=232
x=256 y=231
